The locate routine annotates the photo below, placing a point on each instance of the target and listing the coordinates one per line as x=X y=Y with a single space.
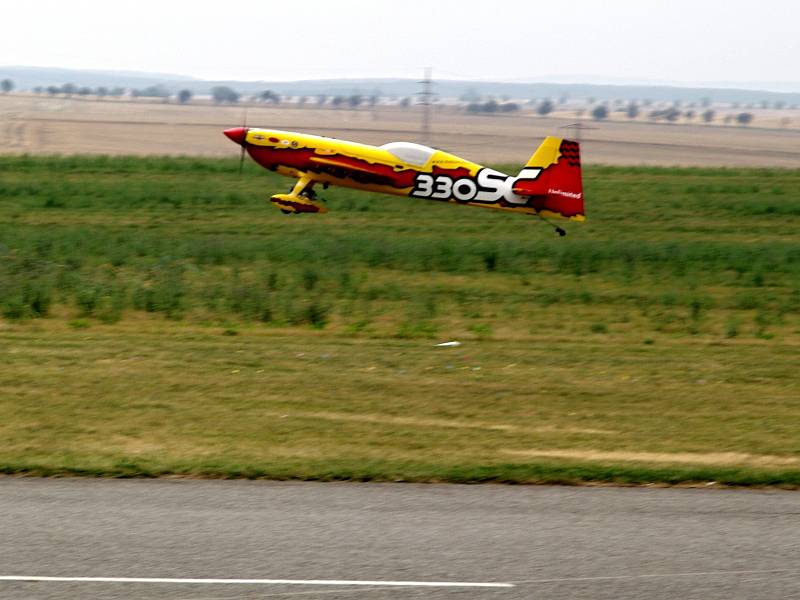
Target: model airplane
x=549 y=186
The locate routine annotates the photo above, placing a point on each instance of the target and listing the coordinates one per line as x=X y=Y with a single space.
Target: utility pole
x=578 y=127
x=426 y=100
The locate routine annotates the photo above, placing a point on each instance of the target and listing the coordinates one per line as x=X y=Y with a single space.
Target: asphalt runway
x=547 y=542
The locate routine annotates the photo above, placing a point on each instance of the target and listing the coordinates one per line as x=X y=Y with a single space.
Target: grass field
x=160 y=317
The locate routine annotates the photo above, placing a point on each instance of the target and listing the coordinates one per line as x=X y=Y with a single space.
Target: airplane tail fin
x=552 y=180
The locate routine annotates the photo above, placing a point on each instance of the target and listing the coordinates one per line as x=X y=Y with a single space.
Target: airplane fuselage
x=397 y=168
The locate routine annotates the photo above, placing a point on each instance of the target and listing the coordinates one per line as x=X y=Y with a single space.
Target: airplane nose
x=237 y=134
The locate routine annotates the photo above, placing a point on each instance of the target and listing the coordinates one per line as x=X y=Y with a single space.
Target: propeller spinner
x=239 y=135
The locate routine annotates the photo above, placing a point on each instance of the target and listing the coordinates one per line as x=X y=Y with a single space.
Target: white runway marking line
x=340 y=582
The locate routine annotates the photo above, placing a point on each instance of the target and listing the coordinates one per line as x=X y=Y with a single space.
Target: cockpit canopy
x=415 y=154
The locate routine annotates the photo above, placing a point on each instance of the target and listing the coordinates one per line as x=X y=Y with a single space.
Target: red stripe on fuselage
x=361 y=171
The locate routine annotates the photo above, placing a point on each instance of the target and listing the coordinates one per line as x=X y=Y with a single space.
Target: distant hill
x=26 y=78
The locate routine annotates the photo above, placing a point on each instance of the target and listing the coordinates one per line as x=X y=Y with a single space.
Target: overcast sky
x=692 y=41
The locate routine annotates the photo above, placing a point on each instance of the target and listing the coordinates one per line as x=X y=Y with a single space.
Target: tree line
x=473 y=104
x=219 y=95
x=227 y=95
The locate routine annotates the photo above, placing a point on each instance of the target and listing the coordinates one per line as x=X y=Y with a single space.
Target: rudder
x=552 y=179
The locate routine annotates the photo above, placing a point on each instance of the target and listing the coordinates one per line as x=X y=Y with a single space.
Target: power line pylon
x=426 y=100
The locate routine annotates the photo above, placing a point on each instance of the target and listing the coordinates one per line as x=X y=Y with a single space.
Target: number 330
x=442 y=187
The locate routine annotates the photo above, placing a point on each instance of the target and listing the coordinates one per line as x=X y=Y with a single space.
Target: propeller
x=244 y=141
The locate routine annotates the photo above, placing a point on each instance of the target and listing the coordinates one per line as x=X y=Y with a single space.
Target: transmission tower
x=426 y=100
x=578 y=127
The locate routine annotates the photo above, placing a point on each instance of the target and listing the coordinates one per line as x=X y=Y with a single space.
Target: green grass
x=159 y=316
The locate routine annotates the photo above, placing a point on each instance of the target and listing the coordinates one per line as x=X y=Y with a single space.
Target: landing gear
x=309 y=193
x=558 y=230
x=301 y=198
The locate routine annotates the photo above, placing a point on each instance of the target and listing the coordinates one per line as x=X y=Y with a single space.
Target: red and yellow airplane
x=549 y=186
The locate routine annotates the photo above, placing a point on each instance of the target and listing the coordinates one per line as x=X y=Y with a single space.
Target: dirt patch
x=444 y=423
x=43 y=125
x=683 y=458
